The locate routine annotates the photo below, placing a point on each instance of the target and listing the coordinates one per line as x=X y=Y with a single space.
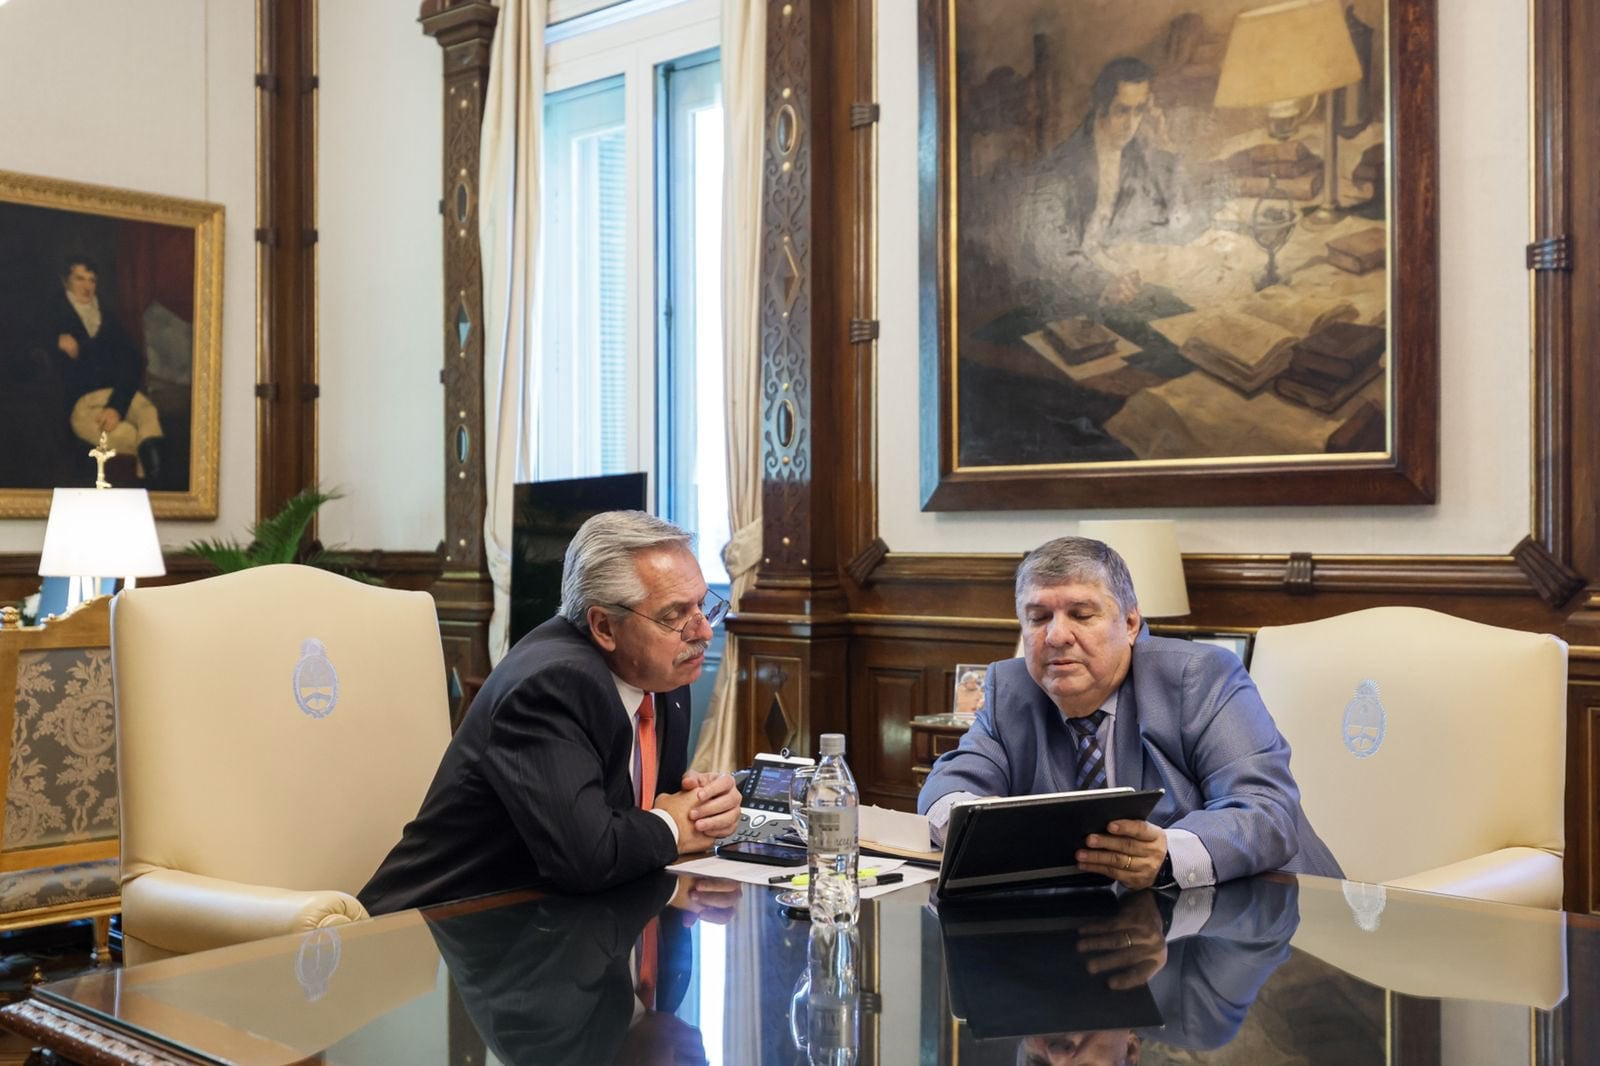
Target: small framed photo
x=1240 y=644
x=968 y=699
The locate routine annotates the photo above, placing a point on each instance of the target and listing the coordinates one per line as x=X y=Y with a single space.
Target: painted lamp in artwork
x=1283 y=57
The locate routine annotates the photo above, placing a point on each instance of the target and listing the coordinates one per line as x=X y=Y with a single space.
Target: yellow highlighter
x=801 y=880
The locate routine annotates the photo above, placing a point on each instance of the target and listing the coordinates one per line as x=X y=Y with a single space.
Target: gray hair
x=1073 y=559
x=599 y=570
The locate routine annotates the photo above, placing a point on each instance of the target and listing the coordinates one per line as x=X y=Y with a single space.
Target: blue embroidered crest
x=316 y=961
x=1364 y=721
x=1366 y=904
x=316 y=682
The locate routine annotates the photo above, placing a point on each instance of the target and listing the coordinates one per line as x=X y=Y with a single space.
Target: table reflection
x=584 y=979
x=1089 y=978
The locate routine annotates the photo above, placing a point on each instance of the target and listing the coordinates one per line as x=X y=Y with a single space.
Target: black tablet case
x=1031 y=842
x=1014 y=969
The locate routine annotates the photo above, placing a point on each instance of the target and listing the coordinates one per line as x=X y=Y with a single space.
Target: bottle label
x=833 y=829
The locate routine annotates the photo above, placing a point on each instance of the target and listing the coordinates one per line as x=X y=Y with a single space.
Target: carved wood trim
x=82 y=1041
x=1554 y=582
x=861 y=566
x=286 y=278
x=464 y=592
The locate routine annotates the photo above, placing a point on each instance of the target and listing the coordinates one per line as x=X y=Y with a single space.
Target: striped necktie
x=1091 y=760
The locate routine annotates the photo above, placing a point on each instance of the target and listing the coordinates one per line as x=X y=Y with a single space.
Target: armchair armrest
x=1528 y=877
x=185 y=912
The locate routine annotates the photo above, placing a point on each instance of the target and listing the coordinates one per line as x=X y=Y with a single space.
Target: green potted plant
x=277 y=539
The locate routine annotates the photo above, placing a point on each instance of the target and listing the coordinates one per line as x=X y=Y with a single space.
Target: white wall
x=155 y=96
x=380 y=314
x=1484 y=496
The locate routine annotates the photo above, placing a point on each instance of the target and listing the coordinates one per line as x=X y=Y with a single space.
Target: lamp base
x=1324 y=217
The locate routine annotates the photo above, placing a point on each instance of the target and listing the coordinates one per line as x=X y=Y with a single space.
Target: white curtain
x=744 y=76
x=508 y=232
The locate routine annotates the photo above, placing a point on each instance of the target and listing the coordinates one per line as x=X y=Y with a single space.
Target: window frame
x=634 y=48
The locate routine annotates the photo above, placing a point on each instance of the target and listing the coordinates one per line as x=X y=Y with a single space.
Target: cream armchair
x=277 y=728
x=1430 y=751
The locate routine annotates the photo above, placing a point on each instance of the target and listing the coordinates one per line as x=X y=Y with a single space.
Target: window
x=630 y=374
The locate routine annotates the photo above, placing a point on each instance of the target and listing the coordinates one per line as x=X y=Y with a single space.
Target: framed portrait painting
x=110 y=324
x=1178 y=253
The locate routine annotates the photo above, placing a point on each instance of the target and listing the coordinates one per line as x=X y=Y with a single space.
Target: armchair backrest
x=58 y=742
x=1419 y=739
x=277 y=726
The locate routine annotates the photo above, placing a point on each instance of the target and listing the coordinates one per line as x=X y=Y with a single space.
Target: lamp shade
x=1285 y=51
x=1150 y=548
x=101 y=533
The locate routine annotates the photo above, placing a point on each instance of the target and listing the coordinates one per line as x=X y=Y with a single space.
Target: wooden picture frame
x=149 y=370
x=1046 y=386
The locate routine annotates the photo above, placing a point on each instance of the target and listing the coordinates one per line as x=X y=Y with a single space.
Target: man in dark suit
x=1096 y=702
x=552 y=779
x=101 y=371
x=562 y=979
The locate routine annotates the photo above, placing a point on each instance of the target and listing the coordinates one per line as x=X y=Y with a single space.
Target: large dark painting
x=110 y=323
x=1178 y=253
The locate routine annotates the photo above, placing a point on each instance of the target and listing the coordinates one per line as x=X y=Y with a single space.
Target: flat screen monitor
x=548 y=514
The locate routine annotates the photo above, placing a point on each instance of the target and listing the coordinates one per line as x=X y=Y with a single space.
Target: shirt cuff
x=939 y=814
x=1191 y=912
x=1191 y=862
x=665 y=817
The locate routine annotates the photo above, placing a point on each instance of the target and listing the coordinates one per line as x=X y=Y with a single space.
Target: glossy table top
x=1269 y=970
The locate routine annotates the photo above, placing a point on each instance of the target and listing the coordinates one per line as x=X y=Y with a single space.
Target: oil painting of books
x=1080 y=347
x=1250 y=343
x=1331 y=365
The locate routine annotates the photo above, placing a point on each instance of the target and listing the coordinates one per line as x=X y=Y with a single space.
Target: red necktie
x=648 y=949
x=647 y=752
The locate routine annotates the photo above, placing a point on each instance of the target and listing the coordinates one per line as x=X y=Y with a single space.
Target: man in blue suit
x=1096 y=701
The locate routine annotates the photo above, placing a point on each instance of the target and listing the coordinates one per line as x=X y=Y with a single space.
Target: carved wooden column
x=792 y=626
x=465 y=595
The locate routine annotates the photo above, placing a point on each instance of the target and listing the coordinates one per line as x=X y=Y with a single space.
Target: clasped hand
x=705 y=810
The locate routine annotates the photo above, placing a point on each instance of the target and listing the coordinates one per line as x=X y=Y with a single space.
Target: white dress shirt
x=632 y=696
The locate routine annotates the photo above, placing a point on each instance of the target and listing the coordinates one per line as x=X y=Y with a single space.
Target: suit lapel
x=1125 y=738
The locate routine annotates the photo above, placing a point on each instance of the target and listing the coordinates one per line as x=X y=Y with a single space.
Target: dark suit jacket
x=534 y=791
x=108 y=360
x=551 y=980
x=1189 y=720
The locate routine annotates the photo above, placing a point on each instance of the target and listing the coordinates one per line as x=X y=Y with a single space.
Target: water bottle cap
x=832 y=744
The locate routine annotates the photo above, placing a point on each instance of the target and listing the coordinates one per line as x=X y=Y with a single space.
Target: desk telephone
x=764 y=800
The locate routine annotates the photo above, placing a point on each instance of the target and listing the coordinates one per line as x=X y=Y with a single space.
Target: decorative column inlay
x=465 y=595
x=786 y=295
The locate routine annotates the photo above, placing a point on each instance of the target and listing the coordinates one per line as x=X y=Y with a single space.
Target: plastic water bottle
x=834 y=1007
x=832 y=846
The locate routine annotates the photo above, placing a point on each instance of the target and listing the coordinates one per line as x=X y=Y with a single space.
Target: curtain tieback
x=743 y=552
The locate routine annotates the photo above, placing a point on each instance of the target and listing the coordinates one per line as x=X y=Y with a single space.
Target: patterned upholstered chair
x=58 y=828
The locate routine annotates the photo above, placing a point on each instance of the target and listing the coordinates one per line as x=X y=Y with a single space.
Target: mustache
x=695 y=647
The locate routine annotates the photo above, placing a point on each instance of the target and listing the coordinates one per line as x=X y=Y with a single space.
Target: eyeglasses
x=710 y=610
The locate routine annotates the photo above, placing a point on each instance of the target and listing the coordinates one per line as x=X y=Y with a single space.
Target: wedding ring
x=1127 y=863
x=1129 y=938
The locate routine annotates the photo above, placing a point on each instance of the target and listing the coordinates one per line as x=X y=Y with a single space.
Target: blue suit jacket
x=1189 y=720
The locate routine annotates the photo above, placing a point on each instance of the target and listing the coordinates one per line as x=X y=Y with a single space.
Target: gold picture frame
x=150 y=369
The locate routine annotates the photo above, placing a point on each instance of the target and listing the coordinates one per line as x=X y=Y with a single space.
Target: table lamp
x=1150 y=548
x=95 y=533
x=1278 y=56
